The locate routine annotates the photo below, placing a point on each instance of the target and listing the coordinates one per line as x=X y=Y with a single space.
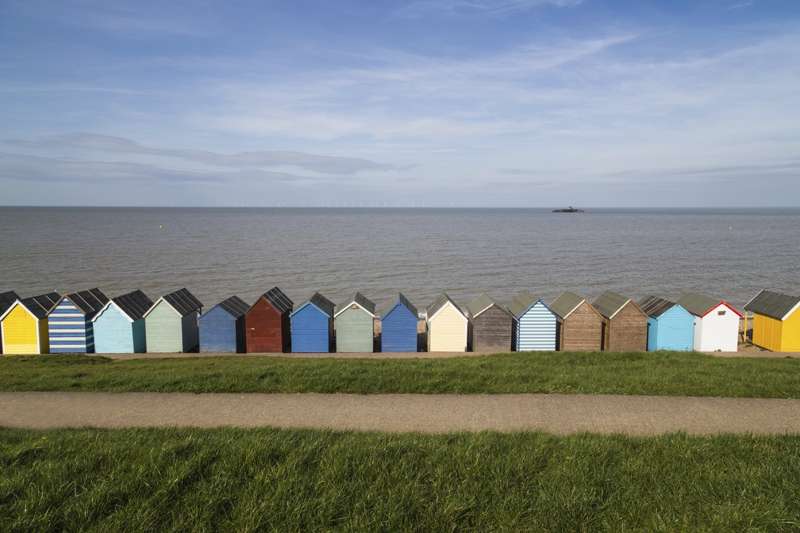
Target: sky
x=540 y=103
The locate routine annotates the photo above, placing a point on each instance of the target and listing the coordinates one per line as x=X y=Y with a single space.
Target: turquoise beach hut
x=119 y=325
x=669 y=325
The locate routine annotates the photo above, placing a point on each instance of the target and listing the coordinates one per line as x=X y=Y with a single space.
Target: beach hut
x=6 y=299
x=491 y=325
x=267 y=323
x=171 y=323
x=354 y=324
x=24 y=325
x=312 y=325
x=716 y=323
x=534 y=324
x=669 y=325
x=69 y=323
x=119 y=325
x=222 y=327
x=624 y=323
x=580 y=326
x=776 y=321
x=399 y=327
x=447 y=325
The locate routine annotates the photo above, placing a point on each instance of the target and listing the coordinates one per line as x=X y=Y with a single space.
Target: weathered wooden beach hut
x=222 y=327
x=669 y=325
x=119 y=326
x=447 y=326
x=491 y=325
x=268 y=324
x=6 y=299
x=624 y=323
x=716 y=323
x=776 y=321
x=24 y=325
x=354 y=324
x=69 y=323
x=534 y=324
x=312 y=325
x=580 y=325
x=399 y=327
x=171 y=323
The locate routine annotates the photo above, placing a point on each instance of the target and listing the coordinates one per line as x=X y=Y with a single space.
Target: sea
x=219 y=252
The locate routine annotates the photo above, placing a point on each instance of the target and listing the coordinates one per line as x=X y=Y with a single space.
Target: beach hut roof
x=610 y=303
x=403 y=301
x=773 y=304
x=235 y=306
x=181 y=300
x=565 y=304
x=653 y=306
x=134 y=304
x=700 y=304
x=42 y=304
x=440 y=302
x=320 y=302
x=279 y=300
x=359 y=299
x=7 y=299
x=89 y=301
x=522 y=302
x=482 y=303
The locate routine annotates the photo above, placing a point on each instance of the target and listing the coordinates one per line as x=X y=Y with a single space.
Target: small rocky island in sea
x=569 y=209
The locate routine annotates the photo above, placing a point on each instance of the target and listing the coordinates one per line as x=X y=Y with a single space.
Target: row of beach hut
x=89 y=322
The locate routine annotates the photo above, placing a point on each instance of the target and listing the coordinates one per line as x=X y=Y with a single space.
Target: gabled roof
x=182 y=301
x=134 y=304
x=42 y=304
x=279 y=300
x=773 y=304
x=402 y=300
x=700 y=304
x=654 y=306
x=565 y=304
x=235 y=306
x=89 y=301
x=610 y=303
x=359 y=299
x=7 y=299
x=320 y=302
x=482 y=303
x=440 y=302
x=522 y=302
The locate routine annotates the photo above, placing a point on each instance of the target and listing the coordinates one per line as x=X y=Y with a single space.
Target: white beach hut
x=716 y=323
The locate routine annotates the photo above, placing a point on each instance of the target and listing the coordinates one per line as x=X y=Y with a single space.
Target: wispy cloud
x=487 y=7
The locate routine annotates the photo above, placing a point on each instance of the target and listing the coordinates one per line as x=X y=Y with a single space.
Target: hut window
x=721 y=313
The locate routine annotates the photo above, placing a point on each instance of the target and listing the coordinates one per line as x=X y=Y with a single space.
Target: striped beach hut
x=69 y=323
x=624 y=323
x=6 y=299
x=580 y=325
x=268 y=323
x=400 y=327
x=171 y=323
x=776 y=321
x=222 y=327
x=119 y=326
x=669 y=326
x=354 y=325
x=534 y=324
x=716 y=323
x=491 y=325
x=312 y=325
x=24 y=325
x=447 y=325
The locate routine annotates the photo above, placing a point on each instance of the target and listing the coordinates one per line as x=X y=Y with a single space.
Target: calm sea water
x=220 y=252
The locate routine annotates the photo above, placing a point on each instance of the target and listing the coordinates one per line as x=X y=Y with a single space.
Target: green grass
x=243 y=480
x=625 y=373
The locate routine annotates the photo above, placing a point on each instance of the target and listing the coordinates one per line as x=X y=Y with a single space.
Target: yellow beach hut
x=776 y=321
x=24 y=325
x=447 y=326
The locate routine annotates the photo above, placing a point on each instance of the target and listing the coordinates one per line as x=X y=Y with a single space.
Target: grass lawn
x=207 y=480
x=626 y=373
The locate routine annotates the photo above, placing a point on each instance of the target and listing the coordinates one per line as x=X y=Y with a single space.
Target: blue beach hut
x=222 y=327
x=69 y=323
x=399 y=327
x=669 y=325
x=534 y=324
x=311 y=325
x=119 y=325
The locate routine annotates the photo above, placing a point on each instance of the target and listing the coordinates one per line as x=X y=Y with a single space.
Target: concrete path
x=555 y=413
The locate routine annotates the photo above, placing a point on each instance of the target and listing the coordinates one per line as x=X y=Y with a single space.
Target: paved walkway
x=555 y=413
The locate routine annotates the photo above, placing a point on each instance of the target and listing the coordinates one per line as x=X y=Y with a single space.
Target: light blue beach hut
x=119 y=326
x=399 y=327
x=311 y=325
x=669 y=325
x=69 y=323
x=534 y=324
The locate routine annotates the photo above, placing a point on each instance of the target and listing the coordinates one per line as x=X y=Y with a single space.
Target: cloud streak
x=496 y=8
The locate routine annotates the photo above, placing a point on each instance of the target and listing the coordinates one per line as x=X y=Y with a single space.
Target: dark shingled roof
x=403 y=301
x=440 y=302
x=361 y=300
x=521 y=303
x=325 y=305
x=134 y=304
x=772 y=304
x=279 y=300
x=482 y=303
x=235 y=306
x=7 y=299
x=654 y=306
x=42 y=304
x=698 y=304
x=89 y=301
x=566 y=303
x=183 y=302
x=609 y=303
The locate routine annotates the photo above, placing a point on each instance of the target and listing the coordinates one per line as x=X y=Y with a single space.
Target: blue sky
x=421 y=103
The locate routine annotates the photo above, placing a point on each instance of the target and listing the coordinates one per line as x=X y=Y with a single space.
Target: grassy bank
x=635 y=373
x=308 y=480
